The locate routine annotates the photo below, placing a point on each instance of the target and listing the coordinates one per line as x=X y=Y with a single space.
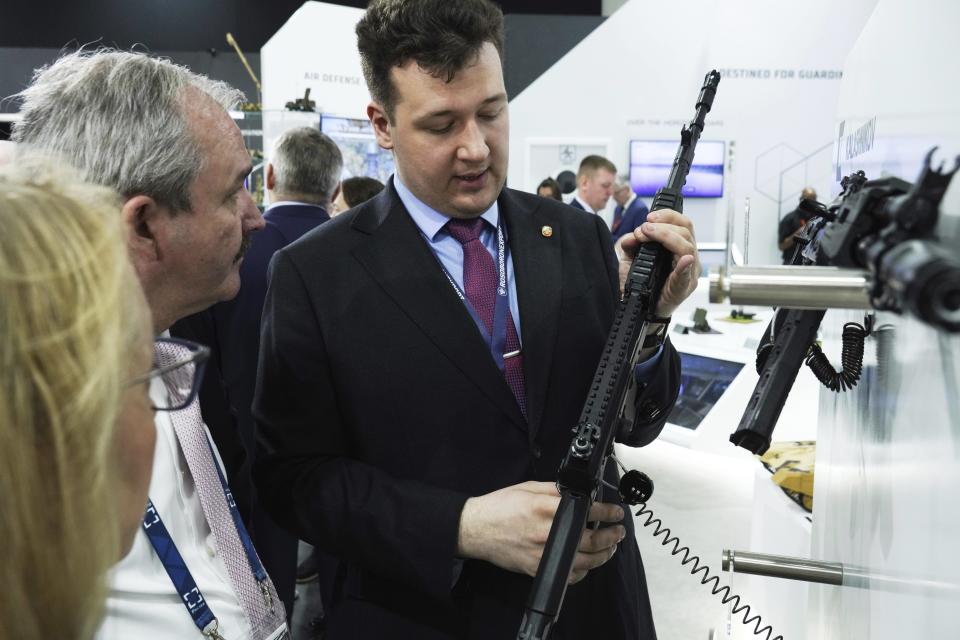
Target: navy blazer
x=633 y=217
x=380 y=411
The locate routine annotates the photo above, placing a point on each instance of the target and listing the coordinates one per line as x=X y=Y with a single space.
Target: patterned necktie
x=263 y=609
x=480 y=286
x=617 y=218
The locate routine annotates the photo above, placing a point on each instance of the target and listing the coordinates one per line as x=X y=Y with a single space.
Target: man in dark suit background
x=595 y=179
x=630 y=212
x=792 y=225
x=302 y=180
x=425 y=355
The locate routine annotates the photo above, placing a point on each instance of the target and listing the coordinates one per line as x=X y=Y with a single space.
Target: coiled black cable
x=699 y=568
x=851 y=358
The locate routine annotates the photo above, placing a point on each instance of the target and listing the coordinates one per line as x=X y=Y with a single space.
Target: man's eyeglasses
x=180 y=365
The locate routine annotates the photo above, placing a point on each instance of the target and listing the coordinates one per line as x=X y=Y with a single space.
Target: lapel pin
x=546 y=231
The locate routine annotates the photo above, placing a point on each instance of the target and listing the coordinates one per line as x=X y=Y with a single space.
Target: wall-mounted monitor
x=651 y=161
x=362 y=156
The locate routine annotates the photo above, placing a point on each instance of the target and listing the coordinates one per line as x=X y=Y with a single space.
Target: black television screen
x=702 y=381
x=651 y=161
x=362 y=156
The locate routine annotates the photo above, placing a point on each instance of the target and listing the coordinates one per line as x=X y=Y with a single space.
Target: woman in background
x=354 y=191
x=76 y=435
x=549 y=188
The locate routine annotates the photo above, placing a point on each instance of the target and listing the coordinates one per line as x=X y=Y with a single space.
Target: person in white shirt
x=595 y=179
x=161 y=136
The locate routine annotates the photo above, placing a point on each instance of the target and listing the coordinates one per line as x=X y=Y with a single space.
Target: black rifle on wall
x=887 y=227
x=608 y=410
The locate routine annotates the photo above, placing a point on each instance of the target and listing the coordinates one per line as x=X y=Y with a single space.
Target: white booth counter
x=715 y=496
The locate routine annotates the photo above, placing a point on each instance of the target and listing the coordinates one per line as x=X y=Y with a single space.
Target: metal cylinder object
x=760 y=564
x=791 y=287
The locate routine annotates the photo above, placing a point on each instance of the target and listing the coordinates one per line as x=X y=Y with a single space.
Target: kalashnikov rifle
x=608 y=410
x=887 y=227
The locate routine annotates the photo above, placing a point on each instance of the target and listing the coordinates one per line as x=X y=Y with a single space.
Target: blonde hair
x=71 y=317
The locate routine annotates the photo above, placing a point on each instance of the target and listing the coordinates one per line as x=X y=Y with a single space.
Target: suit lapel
x=398 y=258
x=537 y=264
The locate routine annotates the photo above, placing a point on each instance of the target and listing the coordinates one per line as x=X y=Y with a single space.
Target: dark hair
x=441 y=36
x=359 y=189
x=553 y=185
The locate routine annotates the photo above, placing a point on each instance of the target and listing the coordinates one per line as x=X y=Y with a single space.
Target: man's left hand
x=675 y=232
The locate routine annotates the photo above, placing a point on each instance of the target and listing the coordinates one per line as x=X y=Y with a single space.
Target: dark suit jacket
x=232 y=330
x=633 y=217
x=381 y=411
x=576 y=205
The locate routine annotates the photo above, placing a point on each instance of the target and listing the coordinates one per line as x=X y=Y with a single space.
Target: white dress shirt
x=584 y=204
x=143 y=602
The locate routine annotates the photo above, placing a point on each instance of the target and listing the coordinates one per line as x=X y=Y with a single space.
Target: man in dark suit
x=595 y=178
x=792 y=225
x=302 y=179
x=426 y=354
x=630 y=212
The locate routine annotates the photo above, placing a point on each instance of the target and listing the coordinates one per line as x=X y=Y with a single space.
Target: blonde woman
x=76 y=426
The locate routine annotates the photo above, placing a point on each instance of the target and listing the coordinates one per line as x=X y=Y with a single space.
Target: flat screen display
x=651 y=161
x=702 y=381
x=362 y=156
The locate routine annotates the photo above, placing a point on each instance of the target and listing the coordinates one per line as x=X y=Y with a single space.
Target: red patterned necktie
x=262 y=605
x=480 y=287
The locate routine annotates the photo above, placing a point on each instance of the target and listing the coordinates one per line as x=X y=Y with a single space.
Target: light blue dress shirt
x=449 y=251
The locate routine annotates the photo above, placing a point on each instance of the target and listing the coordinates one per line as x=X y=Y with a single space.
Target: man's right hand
x=509 y=528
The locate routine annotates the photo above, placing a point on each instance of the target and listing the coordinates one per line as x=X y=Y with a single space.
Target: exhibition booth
x=810 y=93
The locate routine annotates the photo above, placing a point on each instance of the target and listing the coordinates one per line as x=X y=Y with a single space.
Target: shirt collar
x=429 y=220
x=583 y=204
x=288 y=203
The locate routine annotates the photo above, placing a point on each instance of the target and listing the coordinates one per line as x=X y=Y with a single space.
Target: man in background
x=595 y=179
x=630 y=212
x=792 y=224
x=302 y=180
x=161 y=136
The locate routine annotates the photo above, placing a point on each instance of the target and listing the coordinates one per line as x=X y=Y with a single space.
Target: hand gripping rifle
x=885 y=227
x=608 y=410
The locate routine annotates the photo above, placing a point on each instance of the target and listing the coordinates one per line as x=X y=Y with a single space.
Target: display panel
x=651 y=161
x=702 y=381
x=362 y=156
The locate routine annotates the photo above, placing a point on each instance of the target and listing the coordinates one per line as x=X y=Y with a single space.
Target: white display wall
x=888 y=457
x=637 y=76
x=316 y=49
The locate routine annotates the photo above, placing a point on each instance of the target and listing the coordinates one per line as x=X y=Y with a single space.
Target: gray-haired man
x=160 y=135
x=303 y=178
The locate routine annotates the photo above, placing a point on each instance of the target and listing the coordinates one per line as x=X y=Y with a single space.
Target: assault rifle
x=608 y=410
x=886 y=227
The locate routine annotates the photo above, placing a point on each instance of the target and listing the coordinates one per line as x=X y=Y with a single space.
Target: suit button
x=536 y=451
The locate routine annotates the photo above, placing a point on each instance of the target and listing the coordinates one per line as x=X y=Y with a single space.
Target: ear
x=271 y=177
x=381 y=125
x=147 y=230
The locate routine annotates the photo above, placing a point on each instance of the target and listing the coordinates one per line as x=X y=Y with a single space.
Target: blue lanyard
x=177 y=569
x=497 y=339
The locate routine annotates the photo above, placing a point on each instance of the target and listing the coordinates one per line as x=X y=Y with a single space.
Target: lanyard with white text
x=180 y=576
x=497 y=339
